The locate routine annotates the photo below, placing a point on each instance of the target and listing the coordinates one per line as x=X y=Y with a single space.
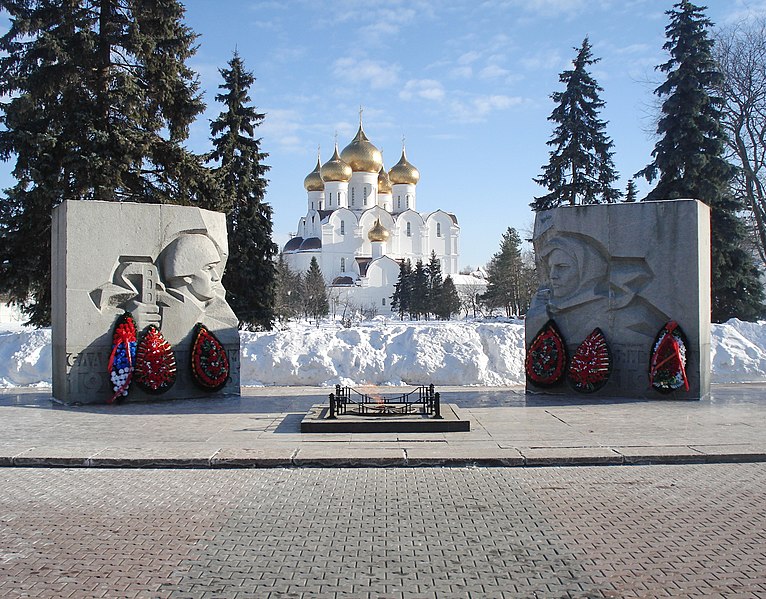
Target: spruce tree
x=449 y=303
x=434 y=297
x=400 y=300
x=419 y=290
x=316 y=303
x=288 y=293
x=689 y=162
x=250 y=277
x=631 y=192
x=98 y=103
x=506 y=276
x=580 y=169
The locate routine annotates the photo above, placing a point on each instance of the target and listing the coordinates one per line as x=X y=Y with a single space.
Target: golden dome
x=384 y=183
x=313 y=181
x=335 y=169
x=378 y=232
x=361 y=155
x=404 y=172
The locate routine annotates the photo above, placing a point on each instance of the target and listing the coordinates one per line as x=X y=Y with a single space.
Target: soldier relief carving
x=589 y=310
x=582 y=286
x=173 y=302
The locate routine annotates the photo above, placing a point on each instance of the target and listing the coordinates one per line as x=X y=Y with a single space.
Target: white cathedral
x=362 y=222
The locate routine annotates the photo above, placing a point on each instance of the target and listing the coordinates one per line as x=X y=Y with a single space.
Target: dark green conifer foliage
x=419 y=291
x=250 y=276
x=400 y=300
x=435 y=285
x=506 y=284
x=97 y=102
x=688 y=159
x=580 y=169
x=631 y=192
x=315 y=292
x=288 y=292
x=449 y=303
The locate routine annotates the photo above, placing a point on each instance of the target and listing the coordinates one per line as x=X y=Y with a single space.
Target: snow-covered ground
x=387 y=352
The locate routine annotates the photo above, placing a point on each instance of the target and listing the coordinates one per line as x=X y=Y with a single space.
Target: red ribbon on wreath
x=667 y=368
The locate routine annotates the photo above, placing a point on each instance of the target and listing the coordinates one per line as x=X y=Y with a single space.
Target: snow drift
x=387 y=352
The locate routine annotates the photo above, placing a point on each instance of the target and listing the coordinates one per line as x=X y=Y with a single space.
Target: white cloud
x=478 y=108
x=468 y=57
x=543 y=60
x=553 y=7
x=462 y=72
x=634 y=49
x=746 y=9
x=428 y=89
x=493 y=71
x=375 y=73
x=282 y=127
x=546 y=8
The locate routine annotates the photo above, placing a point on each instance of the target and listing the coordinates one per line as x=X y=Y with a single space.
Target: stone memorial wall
x=161 y=263
x=628 y=270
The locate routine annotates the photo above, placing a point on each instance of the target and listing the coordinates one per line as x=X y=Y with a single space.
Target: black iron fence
x=422 y=401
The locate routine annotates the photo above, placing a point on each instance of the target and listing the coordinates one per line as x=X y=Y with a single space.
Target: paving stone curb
x=382 y=461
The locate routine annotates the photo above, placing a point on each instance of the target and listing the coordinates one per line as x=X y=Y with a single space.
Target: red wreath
x=209 y=362
x=546 y=357
x=667 y=367
x=155 y=362
x=591 y=364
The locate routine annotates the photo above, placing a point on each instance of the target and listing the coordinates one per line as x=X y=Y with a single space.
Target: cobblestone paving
x=635 y=531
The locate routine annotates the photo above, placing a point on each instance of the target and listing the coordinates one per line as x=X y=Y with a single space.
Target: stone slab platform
x=317 y=421
x=261 y=429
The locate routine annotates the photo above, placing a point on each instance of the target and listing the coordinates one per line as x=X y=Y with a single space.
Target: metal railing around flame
x=421 y=401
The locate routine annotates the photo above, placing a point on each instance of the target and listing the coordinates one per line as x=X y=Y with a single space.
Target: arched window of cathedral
x=342 y=227
x=399 y=202
x=342 y=265
x=438 y=229
x=330 y=198
x=409 y=229
x=312 y=204
x=352 y=196
x=407 y=202
x=366 y=193
x=384 y=301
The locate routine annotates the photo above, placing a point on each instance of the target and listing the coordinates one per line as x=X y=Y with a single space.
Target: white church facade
x=363 y=221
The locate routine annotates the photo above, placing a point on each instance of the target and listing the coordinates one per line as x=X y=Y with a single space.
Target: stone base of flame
x=317 y=421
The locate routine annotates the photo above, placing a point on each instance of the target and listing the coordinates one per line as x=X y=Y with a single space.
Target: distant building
x=362 y=222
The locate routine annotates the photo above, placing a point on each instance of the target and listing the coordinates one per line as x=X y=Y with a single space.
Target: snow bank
x=386 y=352
x=738 y=352
x=25 y=356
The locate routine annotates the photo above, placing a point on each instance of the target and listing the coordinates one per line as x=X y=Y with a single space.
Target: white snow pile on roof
x=387 y=352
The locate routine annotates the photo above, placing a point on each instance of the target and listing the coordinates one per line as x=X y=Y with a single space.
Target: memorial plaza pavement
x=543 y=497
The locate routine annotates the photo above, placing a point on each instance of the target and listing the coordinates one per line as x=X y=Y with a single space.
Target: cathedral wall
x=363 y=191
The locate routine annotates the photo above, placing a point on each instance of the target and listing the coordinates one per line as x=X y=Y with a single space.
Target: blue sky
x=465 y=82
